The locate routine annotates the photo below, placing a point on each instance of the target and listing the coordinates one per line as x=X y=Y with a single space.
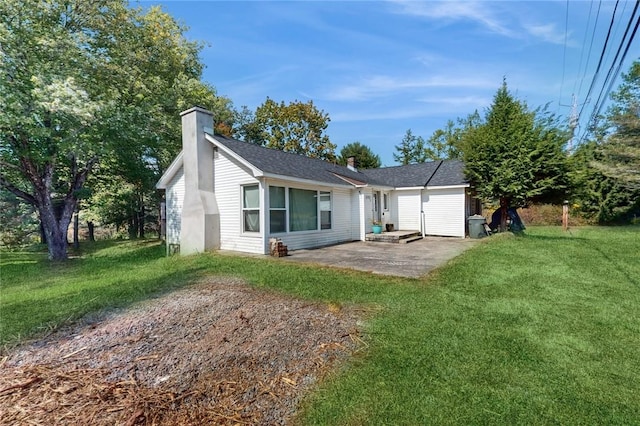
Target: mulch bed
x=219 y=352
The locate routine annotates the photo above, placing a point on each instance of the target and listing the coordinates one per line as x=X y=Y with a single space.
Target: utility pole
x=573 y=121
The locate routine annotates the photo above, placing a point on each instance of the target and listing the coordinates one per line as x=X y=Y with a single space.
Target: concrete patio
x=406 y=260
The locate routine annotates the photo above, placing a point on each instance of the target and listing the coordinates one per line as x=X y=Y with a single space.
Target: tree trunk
x=141 y=218
x=91 y=234
x=56 y=229
x=132 y=227
x=504 y=207
x=76 y=226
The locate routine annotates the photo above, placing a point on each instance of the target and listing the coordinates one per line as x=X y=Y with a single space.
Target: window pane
x=251 y=220
x=277 y=221
x=325 y=201
x=325 y=210
x=251 y=198
x=276 y=197
x=303 y=210
x=325 y=220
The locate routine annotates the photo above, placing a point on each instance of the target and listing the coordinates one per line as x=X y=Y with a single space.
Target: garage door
x=444 y=212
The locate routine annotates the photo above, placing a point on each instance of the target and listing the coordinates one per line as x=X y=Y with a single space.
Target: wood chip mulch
x=219 y=352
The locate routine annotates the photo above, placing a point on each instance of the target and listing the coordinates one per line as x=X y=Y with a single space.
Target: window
x=385 y=202
x=303 y=210
x=325 y=210
x=277 y=209
x=251 y=208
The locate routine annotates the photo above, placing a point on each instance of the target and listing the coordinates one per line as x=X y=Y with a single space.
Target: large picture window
x=277 y=209
x=251 y=208
x=293 y=209
x=303 y=210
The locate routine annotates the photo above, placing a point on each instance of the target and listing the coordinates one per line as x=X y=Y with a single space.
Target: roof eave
x=462 y=185
x=254 y=170
x=170 y=172
x=305 y=181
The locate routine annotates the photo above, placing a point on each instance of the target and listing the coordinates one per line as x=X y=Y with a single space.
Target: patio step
x=395 y=237
x=410 y=239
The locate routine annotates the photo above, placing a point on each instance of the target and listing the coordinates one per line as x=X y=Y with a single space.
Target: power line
x=604 y=49
x=584 y=41
x=611 y=74
x=564 y=51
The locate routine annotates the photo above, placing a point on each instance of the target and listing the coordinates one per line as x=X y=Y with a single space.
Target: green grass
x=538 y=329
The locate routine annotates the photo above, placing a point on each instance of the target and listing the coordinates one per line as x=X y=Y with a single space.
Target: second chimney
x=351 y=163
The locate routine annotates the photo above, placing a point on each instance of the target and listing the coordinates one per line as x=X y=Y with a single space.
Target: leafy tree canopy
x=87 y=84
x=516 y=154
x=365 y=158
x=620 y=146
x=446 y=144
x=297 y=127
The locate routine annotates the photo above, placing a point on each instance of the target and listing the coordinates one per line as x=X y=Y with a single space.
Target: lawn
x=538 y=329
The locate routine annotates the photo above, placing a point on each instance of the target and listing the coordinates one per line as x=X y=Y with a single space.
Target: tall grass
x=538 y=329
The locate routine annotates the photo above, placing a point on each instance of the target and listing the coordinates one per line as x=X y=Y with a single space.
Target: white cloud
x=382 y=85
x=458 y=102
x=547 y=32
x=478 y=12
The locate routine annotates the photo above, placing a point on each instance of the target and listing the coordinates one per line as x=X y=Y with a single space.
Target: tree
x=297 y=127
x=606 y=170
x=446 y=144
x=365 y=158
x=516 y=155
x=598 y=196
x=83 y=82
x=620 y=146
x=18 y=220
x=411 y=149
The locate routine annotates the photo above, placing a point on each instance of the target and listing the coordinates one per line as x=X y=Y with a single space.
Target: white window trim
x=243 y=209
x=287 y=211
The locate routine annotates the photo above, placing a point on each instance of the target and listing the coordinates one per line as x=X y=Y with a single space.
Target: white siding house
x=221 y=193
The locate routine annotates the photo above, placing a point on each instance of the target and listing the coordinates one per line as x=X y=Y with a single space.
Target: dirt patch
x=219 y=352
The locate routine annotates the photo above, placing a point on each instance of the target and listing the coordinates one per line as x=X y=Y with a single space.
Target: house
x=226 y=194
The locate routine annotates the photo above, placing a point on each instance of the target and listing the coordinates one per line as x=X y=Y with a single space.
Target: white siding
x=408 y=210
x=341 y=219
x=444 y=212
x=174 y=197
x=230 y=176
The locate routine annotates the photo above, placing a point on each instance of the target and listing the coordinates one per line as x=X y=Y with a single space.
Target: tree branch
x=16 y=191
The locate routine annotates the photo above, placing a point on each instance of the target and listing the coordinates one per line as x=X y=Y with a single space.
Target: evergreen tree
x=365 y=158
x=620 y=146
x=411 y=149
x=516 y=155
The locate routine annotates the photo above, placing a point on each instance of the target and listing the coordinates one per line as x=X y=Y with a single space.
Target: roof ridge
x=434 y=172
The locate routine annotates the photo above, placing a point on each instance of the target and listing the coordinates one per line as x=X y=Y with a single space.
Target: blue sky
x=380 y=68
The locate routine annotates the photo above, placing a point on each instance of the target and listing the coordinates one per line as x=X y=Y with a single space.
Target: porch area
x=397 y=237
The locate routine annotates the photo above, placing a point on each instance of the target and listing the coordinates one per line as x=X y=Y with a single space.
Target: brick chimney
x=200 y=224
x=351 y=163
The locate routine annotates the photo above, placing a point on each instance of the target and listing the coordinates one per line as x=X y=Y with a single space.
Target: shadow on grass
x=615 y=263
x=563 y=238
x=46 y=296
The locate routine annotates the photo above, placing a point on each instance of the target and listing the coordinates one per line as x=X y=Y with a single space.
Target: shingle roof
x=277 y=162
